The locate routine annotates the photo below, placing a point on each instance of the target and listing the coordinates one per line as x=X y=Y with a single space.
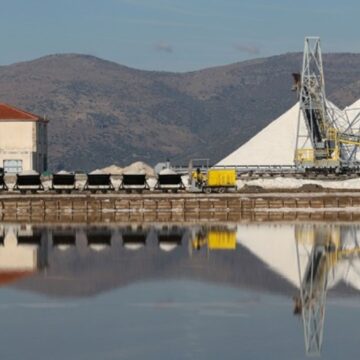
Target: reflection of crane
x=325 y=250
x=331 y=146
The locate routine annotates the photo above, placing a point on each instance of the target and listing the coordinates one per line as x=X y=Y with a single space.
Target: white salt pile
x=167 y=171
x=97 y=171
x=139 y=167
x=274 y=145
x=112 y=169
x=353 y=111
x=293 y=183
x=29 y=172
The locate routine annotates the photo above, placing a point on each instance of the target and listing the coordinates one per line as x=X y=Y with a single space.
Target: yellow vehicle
x=211 y=179
x=215 y=180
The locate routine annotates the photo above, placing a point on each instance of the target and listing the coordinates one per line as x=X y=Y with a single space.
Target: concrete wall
x=25 y=141
x=17 y=135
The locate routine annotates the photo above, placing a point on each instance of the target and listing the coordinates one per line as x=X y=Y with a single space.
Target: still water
x=165 y=291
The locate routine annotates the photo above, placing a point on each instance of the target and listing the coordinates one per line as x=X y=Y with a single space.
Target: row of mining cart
x=68 y=182
x=210 y=180
x=132 y=237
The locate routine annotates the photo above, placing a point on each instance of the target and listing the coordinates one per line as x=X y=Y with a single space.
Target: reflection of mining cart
x=134 y=238
x=169 y=237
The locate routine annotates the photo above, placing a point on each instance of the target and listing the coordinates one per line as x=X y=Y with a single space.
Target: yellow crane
x=329 y=144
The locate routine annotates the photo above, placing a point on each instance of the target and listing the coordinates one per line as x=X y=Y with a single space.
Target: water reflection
x=23 y=250
x=300 y=261
x=326 y=255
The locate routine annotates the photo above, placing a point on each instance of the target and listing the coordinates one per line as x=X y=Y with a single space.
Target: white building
x=23 y=140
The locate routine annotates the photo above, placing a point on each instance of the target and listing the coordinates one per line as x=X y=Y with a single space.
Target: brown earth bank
x=179 y=205
x=103 y=113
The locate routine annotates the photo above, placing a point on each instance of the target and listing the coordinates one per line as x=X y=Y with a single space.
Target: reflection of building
x=23 y=140
x=22 y=252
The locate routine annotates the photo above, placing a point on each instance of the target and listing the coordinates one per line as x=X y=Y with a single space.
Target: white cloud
x=162 y=46
x=247 y=49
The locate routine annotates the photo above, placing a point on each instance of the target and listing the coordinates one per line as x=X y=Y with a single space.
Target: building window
x=13 y=166
x=45 y=164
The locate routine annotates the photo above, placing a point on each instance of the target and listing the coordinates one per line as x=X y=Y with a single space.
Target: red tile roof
x=8 y=113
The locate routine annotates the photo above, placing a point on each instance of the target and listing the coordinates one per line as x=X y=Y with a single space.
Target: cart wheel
x=221 y=190
x=207 y=190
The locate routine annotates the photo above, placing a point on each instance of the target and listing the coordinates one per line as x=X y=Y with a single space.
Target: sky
x=173 y=35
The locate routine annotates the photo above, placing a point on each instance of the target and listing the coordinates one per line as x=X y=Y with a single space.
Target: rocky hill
x=103 y=113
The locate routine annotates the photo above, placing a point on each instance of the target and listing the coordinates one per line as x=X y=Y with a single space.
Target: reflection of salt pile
x=279 y=251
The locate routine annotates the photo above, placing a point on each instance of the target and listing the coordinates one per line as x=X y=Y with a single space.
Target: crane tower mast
x=316 y=142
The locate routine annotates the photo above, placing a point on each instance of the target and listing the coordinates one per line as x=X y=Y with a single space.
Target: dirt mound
x=251 y=189
x=310 y=188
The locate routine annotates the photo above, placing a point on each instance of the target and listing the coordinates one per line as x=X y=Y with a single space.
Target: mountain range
x=103 y=113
